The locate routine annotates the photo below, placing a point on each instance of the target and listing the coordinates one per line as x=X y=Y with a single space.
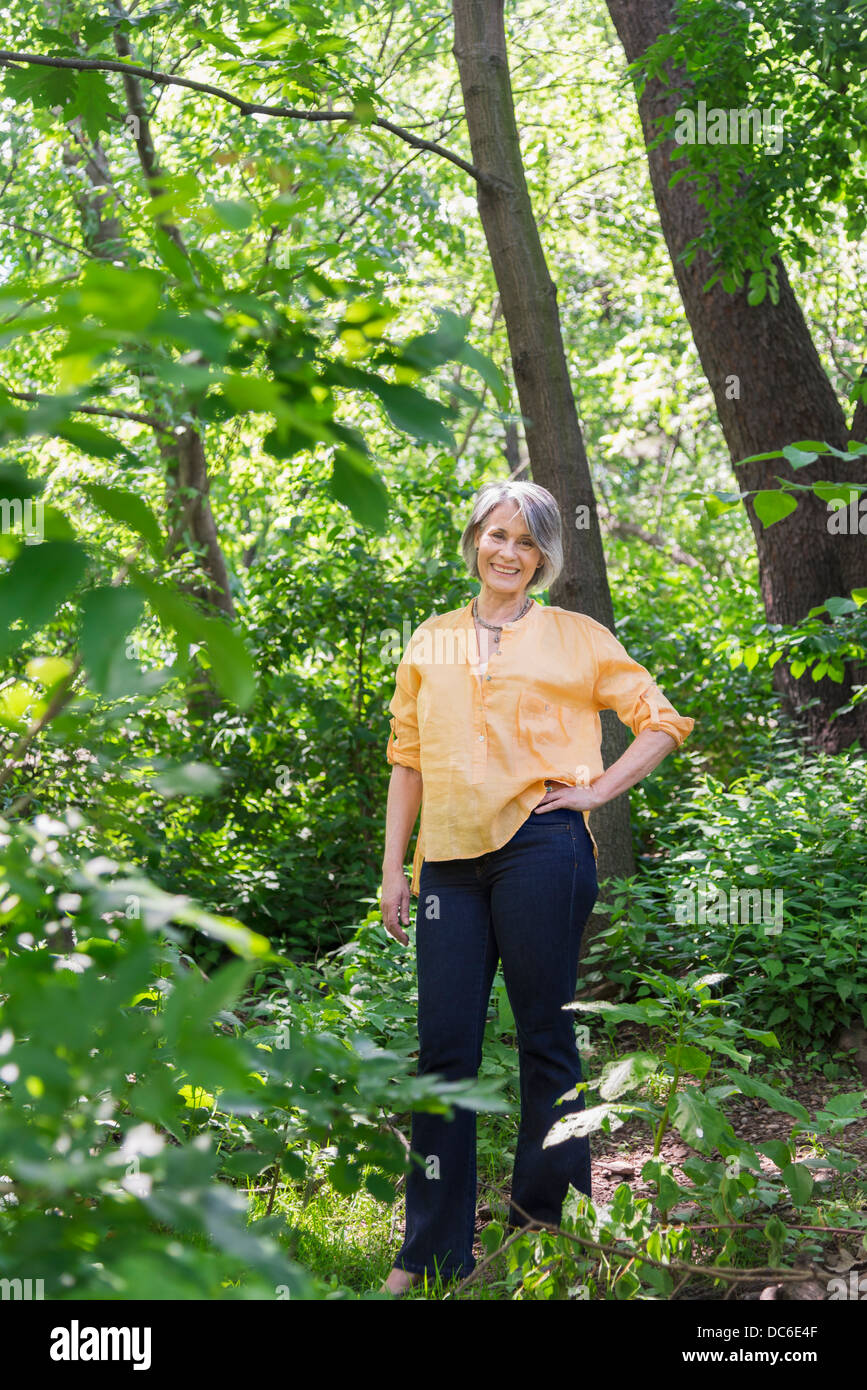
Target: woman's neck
x=499 y=608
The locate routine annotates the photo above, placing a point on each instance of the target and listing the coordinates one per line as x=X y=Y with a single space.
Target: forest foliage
x=253 y=368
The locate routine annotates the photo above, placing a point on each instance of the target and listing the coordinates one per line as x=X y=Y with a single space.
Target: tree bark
x=91 y=192
x=529 y=304
x=188 y=486
x=770 y=390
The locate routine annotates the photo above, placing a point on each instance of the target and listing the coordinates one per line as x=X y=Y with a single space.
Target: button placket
x=480 y=741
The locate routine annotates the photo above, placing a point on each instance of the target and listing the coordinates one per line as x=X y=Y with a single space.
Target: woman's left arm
x=622 y=684
x=645 y=753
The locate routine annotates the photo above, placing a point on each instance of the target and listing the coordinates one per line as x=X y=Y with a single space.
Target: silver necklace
x=497 y=629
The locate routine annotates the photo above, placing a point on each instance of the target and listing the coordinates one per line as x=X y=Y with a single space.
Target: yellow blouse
x=486 y=738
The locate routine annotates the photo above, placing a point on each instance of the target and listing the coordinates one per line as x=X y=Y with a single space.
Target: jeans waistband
x=562 y=816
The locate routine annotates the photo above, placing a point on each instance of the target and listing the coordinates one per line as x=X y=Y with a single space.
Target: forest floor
x=620 y=1156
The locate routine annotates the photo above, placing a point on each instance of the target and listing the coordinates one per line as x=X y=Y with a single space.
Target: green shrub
x=799 y=838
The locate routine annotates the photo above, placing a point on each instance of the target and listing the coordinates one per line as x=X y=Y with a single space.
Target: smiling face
x=508 y=555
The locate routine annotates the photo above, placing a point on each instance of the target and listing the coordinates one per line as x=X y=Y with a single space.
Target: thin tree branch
x=382 y=47
x=629 y=528
x=47 y=236
x=761 y=1275
x=35 y=397
x=247 y=108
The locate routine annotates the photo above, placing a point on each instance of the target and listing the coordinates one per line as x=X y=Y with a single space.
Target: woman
x=496 y=736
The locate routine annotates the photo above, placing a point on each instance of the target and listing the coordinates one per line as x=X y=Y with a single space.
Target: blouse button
x=481 y=738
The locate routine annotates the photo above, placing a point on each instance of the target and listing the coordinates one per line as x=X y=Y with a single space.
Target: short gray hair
x=542 y=515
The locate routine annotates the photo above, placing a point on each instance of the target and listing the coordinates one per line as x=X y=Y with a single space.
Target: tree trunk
x=770 y=390
x=529 y=305
x=188 y=486
x=91 y=192
x=188 y=508
x=187 y=481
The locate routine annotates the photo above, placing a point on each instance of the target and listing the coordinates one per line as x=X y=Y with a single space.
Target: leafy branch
x=9 y=59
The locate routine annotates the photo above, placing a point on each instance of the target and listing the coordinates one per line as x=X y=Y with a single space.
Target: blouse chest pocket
x=543 y=726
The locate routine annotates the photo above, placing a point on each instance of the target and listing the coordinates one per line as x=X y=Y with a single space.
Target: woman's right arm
x=402 y=808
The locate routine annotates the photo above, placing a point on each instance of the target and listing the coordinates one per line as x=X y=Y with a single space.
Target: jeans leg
x=456 y=960
x=542 y=892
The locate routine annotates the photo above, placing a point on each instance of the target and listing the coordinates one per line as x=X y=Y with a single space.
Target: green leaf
x=227 y=652
x=798 y=458
x=413 y=413
x=719 y=502
x=216 y=40
x=234 y=214
x=45 y=87
x=765 y=1038
x=94 y=103
x=848 y=1104
x=172 y=257
x=93 y=441
x=231 y=662
x=488 y=371
x=505 y=1016
x=108 y=614
x=174 y=612
x=752 y=1086
x=799 y=1181
x=444 y=344
x=48 y=670
x=777 y=1151
x=120 y=298
x=758 y=287
x=698 y=1121
x=760 y=458
x=688 y=1059
x=15 y=485
x=380 y=1187
x=838 y=607
x=586 y=1121
x=131 y=510
x=189 y=779
x=811 y=446
x=772 y=506
x=650 y=1011
x=657 y=1171
x=840 y=494
x=255 y=393
x=195 y=330
x=359 y=487
x=626 y=1073
x=344 y=1176
x=491 y=1237
x=36 y=583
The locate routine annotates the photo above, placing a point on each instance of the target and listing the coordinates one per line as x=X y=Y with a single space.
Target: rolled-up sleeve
x=628 y=688
x=403 y=740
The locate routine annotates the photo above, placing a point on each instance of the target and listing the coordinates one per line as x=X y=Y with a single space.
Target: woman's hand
x=561 y=795
x=645 y=753
x=394 y=903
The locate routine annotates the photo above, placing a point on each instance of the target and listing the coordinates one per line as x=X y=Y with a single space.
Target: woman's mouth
x=498 y=570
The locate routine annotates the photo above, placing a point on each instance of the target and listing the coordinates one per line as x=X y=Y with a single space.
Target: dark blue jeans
x=525 y=904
